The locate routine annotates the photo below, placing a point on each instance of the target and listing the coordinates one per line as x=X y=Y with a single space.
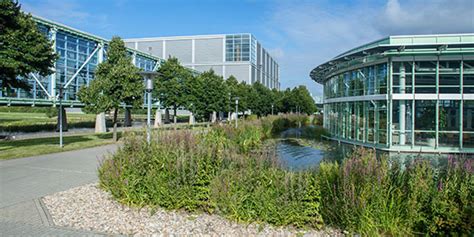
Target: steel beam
x=82 y=66
x=40 y=84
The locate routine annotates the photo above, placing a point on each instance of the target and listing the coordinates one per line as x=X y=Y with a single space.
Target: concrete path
x=24 y=181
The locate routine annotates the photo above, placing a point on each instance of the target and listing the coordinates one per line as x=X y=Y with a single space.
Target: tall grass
x=372 y=196
x=228 y=171
x=222 y=171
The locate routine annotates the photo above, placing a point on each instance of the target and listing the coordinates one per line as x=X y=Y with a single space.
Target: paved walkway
x=24 y=181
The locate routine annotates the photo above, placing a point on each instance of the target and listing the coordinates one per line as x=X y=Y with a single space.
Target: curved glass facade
x=418 y=100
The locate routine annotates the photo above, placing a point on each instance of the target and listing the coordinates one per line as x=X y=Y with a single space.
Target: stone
x=100 y=126
x=158 y=119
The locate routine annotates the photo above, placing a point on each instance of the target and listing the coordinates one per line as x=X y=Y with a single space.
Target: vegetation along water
x=235 y=172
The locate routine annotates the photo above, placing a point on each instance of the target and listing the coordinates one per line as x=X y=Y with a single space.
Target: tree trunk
x=114 y=137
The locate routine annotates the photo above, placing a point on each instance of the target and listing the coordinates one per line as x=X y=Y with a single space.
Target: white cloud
x=427 y=17
x=316 y=31
x=69 y=12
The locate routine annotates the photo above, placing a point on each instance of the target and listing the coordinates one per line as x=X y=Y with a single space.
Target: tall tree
x=195 y=88
x=232 y=92
x=117 y=82
x=170 y=86
x=302 y=100
x=210 y=94
x=23 y=48
x=262 y=100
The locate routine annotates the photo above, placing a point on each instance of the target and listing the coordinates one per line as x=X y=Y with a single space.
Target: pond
x=295 y=156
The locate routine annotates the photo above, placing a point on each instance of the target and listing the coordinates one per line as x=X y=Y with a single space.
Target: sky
x=299 y=34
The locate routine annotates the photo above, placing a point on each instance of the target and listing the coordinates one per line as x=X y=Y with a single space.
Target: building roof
x=86 y=35
x=397 y=44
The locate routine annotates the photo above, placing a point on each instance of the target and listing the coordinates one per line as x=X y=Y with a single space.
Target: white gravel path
x=90 y=208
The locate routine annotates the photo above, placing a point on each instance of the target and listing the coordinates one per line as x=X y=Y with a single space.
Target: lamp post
x=272 y=109
x=236 y=111
x=148 y=88
x=60 y=117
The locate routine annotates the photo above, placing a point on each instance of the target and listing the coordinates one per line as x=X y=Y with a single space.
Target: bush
x=51 y=112
x=226 y=171
x=372 y=197
x=220 y=171
x=24 y=109
x=282 y=123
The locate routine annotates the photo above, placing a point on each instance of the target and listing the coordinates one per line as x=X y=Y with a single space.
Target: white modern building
x=240 y=55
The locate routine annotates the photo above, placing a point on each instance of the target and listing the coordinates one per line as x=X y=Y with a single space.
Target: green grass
x=40 y=146
x=35 y=122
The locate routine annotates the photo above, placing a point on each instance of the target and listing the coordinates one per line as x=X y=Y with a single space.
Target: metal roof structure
x=86 y=35
x=398 y=45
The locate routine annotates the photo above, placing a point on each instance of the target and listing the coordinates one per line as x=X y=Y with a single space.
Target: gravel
x=90 y=208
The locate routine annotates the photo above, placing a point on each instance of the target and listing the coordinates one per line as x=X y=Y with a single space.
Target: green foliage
x=375 y=197
x=24 y=109
x=23 y=48
x=117 y=81
x=221 y=171
x=283 y=122
x=170 y=86
x=51 y=112
x=226 y=171
x=208 y=94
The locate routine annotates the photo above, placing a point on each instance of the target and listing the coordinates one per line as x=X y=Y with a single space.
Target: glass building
x=79 y=54
x=402 y=94
x=239 y=55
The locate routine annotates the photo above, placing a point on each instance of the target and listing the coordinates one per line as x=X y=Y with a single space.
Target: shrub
x=51 y=112
x=371 y=197
x=282 y=123
x=221 y=171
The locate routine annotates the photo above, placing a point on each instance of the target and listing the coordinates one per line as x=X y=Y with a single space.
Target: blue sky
x=299 y=34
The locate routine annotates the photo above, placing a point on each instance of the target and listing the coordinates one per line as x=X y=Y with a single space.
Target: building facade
x=79 y=54
x=402 y=94
x=240 y=55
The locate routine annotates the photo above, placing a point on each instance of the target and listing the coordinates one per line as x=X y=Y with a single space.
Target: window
x=448 y=123
x=468 y=124
x=238 y=48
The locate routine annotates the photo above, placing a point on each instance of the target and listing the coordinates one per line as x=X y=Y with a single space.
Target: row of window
x=73 y=51
x=369 y=80
x=407 y=77
x=413 y=122
x=238 y=47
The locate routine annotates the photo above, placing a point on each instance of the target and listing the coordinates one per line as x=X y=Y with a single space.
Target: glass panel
x=425 y=139
x=448 y=139
x=402 y=122
x=425 y=111
x=449 y=114
x=425 y=83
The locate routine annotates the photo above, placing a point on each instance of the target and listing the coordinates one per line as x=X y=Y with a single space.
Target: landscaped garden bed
x=229 y=172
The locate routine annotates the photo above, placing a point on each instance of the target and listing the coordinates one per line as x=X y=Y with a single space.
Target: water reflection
x=297 y=157
x=294 y=156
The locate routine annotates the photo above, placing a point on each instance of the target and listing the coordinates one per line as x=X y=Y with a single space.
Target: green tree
x=117 y=82
x=195 y=88
x=261 y=101
x=232 y=91
x=23 y=48
x=210 y=94
x=170 y=84
x=302 y=101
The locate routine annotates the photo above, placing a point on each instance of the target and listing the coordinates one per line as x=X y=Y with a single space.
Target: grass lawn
x=39 y=146
x=34 y=122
